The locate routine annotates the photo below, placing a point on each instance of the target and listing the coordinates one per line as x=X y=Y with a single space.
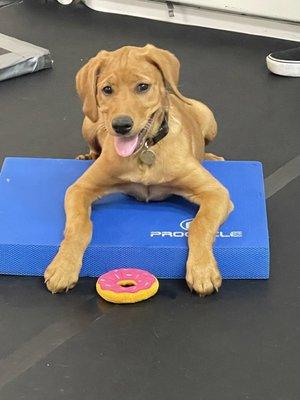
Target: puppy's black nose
x=122 y=124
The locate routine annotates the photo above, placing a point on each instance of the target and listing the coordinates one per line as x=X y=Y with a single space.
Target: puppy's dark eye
x=142 y=87
x=107 y=90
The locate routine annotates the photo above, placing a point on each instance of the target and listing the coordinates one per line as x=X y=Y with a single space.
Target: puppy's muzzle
x=122 y=124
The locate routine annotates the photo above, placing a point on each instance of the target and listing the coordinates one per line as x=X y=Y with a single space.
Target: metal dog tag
x=147 y=157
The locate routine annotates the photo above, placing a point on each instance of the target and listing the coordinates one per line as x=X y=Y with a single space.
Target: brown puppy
x=128 y=95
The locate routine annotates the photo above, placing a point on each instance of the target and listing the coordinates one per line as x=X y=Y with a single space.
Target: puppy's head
x=128 y=87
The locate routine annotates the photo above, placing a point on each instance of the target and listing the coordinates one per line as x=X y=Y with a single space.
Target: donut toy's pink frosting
x=110 y=280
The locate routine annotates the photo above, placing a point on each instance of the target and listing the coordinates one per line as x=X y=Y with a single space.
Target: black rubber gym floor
x=242 y=343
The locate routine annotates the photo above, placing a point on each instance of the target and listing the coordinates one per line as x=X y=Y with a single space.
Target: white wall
x=279 y=9
x=187 y=15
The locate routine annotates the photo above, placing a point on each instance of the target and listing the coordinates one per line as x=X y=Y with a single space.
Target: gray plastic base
x=19 y=58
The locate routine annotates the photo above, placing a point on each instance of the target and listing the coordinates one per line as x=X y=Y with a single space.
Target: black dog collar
x=161 y=133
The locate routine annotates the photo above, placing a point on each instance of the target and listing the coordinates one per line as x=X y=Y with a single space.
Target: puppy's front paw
x=61 y=275
x=203 y=276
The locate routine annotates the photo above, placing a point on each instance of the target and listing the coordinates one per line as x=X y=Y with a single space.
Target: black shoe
x=286 y=63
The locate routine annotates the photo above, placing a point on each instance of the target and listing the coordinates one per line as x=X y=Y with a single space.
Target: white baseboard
x=188 y=15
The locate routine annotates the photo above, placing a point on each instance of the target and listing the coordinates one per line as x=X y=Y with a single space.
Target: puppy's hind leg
x=89 y=156
x=95 y=150
x=209 y=135
x=213 y=157
x=89 y=132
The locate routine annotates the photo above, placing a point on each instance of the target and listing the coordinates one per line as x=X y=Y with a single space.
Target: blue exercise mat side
x=31 y=261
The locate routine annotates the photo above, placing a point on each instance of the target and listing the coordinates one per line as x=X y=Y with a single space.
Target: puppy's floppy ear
x=169 y=67
x=86 y=85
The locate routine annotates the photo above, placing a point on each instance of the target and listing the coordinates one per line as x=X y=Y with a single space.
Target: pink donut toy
x=126 y=285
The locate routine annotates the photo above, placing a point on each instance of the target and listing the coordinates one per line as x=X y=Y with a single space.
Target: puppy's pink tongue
x=126 y=146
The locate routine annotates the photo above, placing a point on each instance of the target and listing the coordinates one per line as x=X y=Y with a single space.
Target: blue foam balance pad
x=127 y=233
